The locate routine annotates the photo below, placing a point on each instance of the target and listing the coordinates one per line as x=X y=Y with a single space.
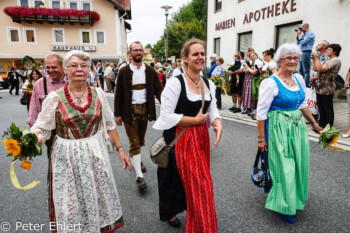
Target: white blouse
x=138 y=77
x=268 y=91
x=170 y=96
x=272 y=64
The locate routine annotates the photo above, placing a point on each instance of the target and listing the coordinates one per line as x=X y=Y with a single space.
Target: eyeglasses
x=75 y=66
x=137 y=50
x=289 y=59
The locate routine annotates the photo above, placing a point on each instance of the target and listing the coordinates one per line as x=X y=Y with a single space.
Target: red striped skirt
x=248 y=101
x=192 y=153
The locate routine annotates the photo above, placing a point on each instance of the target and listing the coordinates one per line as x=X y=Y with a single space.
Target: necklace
x=78 y=101
x=289 y=84
x=193 y=80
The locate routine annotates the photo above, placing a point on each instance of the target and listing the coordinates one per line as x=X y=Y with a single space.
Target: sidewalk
x=340 y=119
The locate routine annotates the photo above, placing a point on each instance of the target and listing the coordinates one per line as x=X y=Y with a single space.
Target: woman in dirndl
x=81 y=187
x=186 y=183
x=282 y=132
x=248 y=103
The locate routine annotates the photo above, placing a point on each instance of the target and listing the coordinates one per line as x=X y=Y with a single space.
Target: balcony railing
x=51 y=15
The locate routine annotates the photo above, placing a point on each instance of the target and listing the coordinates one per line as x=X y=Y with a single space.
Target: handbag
x=261 y=176
x=311 y=100
x=160 y=150
x=25 y=99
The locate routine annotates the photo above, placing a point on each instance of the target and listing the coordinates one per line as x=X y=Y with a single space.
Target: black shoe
x=141 y=183
x=143 y=168
x=233 y=108
x=245 y=111
x=17 y=94
x=253 y=118
x=10 y=92
x=236 y=110
x=176 y=223
x=251 y=114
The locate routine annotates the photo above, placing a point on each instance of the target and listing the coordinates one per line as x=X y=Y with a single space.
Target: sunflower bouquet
x=220 y=82
x=30 y=87
x=329 y=137
x=21 y=145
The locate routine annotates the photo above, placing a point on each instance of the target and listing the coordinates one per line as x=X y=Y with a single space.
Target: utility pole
x=167 y=8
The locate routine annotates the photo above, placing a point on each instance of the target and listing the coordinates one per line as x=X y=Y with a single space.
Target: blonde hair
x=238 y=56
x=55 y=55
x=186 y=48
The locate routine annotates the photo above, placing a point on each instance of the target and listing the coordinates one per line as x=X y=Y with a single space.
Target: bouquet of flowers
x=329 y=137
x=21 y=145
x=220 y=82
x=30 y=87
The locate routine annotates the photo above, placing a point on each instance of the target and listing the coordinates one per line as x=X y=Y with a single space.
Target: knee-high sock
x=136 y=162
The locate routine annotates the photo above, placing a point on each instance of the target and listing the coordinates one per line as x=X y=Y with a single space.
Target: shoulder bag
x=160 y=150
x=261 y=176
x=25 y=99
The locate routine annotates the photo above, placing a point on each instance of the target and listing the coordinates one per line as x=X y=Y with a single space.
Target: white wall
x=328 y=19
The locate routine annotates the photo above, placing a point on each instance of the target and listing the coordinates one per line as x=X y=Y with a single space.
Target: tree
x=158 y=49
x=28 y=62
x=188 y=22
x=148 y=46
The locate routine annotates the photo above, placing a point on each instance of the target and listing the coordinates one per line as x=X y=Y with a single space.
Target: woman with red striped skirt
x=187 y=177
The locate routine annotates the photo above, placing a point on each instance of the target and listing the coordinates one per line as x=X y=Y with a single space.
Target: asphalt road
x=239 y=204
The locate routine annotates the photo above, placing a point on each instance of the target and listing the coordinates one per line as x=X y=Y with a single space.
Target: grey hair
x=287 y=49
x=305 y=25
x=325 y=43
x=82 y=55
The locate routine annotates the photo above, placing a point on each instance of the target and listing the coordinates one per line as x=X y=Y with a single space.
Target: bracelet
x=119 y=147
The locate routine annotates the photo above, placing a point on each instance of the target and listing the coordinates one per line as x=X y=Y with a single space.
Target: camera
x=297 y=29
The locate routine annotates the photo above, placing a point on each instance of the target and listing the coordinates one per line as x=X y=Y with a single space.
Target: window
x=86 y=5
x=73 y=5
x=244 y=41
x=58 y=35
x=13 y=36
x=55 y=4
x=217 y=46
x=286 y=34
x=24 y=3
x=38 y=3
x=85 y=36
x=100 y=37
x=29 y=35
x=218 y=4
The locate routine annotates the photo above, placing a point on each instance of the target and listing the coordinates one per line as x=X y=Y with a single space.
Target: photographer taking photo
x=306 y=40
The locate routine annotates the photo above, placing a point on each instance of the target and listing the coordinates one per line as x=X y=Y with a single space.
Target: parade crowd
x=69 y=112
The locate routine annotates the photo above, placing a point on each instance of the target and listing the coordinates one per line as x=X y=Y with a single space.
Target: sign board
x=69 y=48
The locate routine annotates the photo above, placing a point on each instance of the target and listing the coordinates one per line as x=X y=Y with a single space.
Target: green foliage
x=328 y=135
x=188 y=22
x=148 y=46
x=158 y=50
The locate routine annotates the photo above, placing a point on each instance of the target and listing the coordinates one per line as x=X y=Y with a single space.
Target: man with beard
x=134 y=104
x=52 y=82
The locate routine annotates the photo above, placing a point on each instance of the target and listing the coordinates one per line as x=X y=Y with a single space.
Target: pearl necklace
x=289 y=84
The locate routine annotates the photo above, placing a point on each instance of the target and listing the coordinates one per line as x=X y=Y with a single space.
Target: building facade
x=234 y=25
x=104 y=36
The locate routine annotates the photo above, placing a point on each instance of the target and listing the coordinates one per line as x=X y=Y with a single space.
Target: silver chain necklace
x=78 y=101
x=196 y=83
x=293 y=83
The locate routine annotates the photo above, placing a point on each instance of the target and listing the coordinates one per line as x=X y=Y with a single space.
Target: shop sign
x=277 y=9
x=69 y=48
x=225 y=24
x=271 y=11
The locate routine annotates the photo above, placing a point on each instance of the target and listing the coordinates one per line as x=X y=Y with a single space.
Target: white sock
x=136 y=162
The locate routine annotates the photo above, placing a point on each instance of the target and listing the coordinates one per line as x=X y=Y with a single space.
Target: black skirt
x=172 y=197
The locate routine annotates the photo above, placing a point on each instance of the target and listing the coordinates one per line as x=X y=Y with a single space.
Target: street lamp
x=167 y=8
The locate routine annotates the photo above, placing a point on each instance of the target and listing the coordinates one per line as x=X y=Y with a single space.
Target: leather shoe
x=231 y=109
x=245 y=111
x=287 y=218
x=143 y=168
x=141 y=183
x=176 y=223
x=10 y=92
x=236 y=110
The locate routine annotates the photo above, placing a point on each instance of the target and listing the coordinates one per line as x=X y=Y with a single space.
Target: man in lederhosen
x=134 y=104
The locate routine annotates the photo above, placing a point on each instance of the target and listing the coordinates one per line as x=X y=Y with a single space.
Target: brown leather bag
x=160 y=150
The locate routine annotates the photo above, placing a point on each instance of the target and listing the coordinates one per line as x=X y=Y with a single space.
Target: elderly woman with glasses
x=282 y=132
x=82 y=190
